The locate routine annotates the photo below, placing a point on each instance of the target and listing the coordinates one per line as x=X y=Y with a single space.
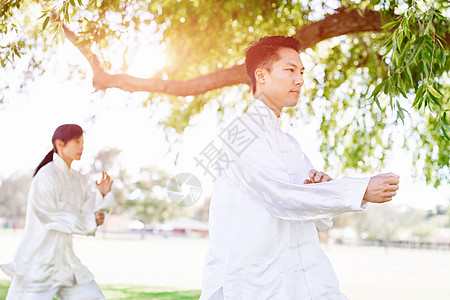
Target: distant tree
x=142 y=196
x=13 y=198
x=147 y=198
x=448 y=214
x=383 y=222
x=202 y=211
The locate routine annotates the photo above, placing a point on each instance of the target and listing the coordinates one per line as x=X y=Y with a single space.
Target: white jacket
x=263 y=238
x=61 y=202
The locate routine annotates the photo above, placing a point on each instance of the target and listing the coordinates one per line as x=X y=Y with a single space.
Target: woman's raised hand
x=105 y=184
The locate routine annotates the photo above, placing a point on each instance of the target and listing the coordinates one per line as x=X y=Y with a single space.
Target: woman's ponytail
x=48 y=158
x=64 y=133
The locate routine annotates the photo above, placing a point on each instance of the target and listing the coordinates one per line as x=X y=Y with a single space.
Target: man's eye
x=290 y=70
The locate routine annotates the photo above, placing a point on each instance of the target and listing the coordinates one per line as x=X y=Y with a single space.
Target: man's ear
x=260 y=76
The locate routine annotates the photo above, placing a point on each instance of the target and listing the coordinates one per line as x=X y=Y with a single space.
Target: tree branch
x=338 y=24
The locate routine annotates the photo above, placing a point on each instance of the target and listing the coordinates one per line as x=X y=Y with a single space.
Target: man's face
x=281 y=86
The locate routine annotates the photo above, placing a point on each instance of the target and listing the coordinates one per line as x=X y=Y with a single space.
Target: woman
x=61 y=202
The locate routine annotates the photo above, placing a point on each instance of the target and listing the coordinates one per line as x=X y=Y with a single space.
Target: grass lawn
x=132 y=293
x=3 y=289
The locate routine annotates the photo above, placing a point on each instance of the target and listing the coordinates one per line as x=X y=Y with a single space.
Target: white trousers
x=88 y=291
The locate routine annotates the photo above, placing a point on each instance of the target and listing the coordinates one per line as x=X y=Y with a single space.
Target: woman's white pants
x=88 y=291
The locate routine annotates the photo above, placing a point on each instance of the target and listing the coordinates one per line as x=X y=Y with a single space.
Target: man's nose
x=299 y=80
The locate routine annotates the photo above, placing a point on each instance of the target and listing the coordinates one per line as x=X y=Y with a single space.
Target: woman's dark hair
x=264 y=52
x=64 y=133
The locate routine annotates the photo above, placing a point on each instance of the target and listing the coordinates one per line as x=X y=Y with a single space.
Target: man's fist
x=382 y=188
x=317 y=177
x=99 y=217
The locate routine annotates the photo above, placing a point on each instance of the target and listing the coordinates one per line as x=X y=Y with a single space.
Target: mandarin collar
x=262 y=114
x=60 y=163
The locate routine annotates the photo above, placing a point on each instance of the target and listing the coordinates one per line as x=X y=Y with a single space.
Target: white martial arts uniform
x=263 y=238
x=61 y=202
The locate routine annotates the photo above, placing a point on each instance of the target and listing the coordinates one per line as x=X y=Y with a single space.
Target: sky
x=118 y=120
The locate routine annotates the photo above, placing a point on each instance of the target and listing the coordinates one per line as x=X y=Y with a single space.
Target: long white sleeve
x=56 y=213
x=259 y=171
x=324 y=223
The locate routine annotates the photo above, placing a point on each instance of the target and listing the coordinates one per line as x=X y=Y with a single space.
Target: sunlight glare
x=147 y=61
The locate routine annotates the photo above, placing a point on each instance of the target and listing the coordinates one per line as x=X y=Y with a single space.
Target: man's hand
x=105 y=184
x=382 y=188
x=317 y=177
x=99 y=217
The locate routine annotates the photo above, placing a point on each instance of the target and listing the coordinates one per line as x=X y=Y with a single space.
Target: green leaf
x=400 y=39
x=387 y=40
x=407 y=30
x=403 y=53
x=390 y=24
x=423 y=68
x=378 y=104
x=378 y=88
x=435 y=93
x=408 y=71
x=61 y=33
x=444 y=119
x=400 y=113
x=419 y=94
x=402 y=88
x=66 y=14
x=386 y=88
x=445 y=126
x=16 y=51
x=444 y=132
x=440 y=16
x=45 y=23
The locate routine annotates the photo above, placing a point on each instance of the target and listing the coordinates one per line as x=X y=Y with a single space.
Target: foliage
x=363 y=87
x=147 y=198
x=417 y=43
x=144 y=196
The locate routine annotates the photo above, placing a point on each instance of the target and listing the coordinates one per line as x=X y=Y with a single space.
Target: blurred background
x=375 y=99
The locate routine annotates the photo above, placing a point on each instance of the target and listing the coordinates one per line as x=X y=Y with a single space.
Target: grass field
x=132 y=293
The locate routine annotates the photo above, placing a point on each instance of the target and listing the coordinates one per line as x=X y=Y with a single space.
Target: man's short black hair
x=264 y=52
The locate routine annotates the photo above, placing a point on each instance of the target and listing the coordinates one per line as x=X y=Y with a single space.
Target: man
x=267 y=203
